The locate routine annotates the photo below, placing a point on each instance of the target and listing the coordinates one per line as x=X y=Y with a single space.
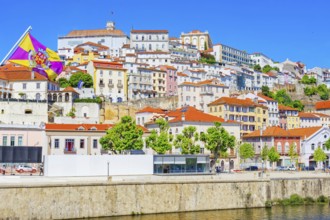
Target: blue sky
x=298 y=30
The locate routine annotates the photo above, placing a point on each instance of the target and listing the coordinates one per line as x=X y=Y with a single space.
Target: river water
x=313 y=212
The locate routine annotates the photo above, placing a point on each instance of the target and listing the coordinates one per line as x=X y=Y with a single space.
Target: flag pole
x=15 y=45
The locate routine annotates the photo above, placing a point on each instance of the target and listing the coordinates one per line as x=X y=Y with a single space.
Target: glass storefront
x=178 y=164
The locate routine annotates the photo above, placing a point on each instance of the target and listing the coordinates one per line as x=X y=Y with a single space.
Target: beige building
x=201 y=40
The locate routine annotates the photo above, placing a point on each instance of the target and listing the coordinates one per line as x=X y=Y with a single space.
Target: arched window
x=287 y=146
x=279 y=147
x=54 y=97
x=67 y=97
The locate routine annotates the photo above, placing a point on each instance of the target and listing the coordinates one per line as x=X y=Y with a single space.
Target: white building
x=261 y=59
x=82 y=139
x=201 y=93
x=226 y=54
x=189 y=116
x=154 y=59
x=149 y=40
x=110 y=37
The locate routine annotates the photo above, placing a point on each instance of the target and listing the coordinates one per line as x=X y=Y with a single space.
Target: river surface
x=315 y=212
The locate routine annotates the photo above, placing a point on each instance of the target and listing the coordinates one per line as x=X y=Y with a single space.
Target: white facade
x=110 y=37
x=32 y=89
x=149 y=40
x=94 y=165
x=200 y=94
x=154 y=59
x=310 y=144
x=261 y=59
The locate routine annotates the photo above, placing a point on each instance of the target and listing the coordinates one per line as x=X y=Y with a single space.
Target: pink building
x=171 y=80
x=23 y=135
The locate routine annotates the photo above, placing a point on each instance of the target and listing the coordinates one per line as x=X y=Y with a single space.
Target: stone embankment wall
x=108 y=199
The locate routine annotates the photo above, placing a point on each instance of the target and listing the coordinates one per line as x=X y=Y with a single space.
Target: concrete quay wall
x=79 y=200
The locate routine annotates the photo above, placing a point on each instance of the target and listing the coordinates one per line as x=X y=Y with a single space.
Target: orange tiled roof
x=269 y=132
x=99 y=32
x=266 y=97
x=286 y=108
x=100 y=46
x=108 y=65
x=168 y=67
x=322 y=105
x=149 y=31
x=69 y=89
x=236 y=102
x=151 y=110
x=126 y=46
x=181 y=74
x=22 y=75
x=280 y=132
x=304 y=132
x=322 y=115
x=75 y=127
x=191 y=114
x=152 y=52
x=307 y=115
x=205 y=82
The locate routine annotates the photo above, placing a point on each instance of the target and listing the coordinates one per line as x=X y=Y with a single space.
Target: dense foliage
x=75 y=78
x=89 y=100
x=207 y=58
x=187 y=141
x=125 y=135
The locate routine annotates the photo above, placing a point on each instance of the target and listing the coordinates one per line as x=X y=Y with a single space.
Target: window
x=119 y=74
x=279 y=147
x=82 y=143
x=313 y=146
x=38 y=85
x=38 y=96
x=24 y=85
x=95 y=143
x=57 y=143
x=69 y=145
x=12 y=141
x=101 y=73
x=28 y=111
x=20 y=140
x=4 y=140
x=110 y=73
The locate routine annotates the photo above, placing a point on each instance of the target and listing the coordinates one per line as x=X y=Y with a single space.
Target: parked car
x=309 y=168
x=282 y=168
x=251 y=168
x=25 y=169
x=292 y=168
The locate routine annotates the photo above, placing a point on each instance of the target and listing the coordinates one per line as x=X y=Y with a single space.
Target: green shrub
x=309 y=200
x=295 y=199
x=268 y=204
x=322 y=199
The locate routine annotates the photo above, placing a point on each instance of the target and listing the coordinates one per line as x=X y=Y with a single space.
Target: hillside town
x=176 y=90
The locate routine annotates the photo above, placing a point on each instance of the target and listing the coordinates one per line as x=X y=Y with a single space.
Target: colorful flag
x=80 y=84
x=31 y=53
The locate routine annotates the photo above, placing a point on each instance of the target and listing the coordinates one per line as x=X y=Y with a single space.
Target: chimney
x=183 y=118
x=32 y=74
x=255 y=100
x=110 y=25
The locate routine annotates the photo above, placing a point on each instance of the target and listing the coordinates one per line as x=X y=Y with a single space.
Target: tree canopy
x=257 y=67
x=308 y=80
x=160 y=142
x=187 y=141
x=125 y=135
x=319 y=155
x=246 y=151
x=268 y=68
x=273 y=155
x=264 y=153
x=218 y=140
x=293 y=154
x=75 y=78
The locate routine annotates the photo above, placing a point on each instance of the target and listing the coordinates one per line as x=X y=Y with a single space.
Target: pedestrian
x=41 y=170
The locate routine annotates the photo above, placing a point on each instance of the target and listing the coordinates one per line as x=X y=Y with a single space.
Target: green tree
x=265 y=90
x=125 y=135
x=266 y=69
x=273 y=155
x=298 y=105
x=310 y=91
x=305 y=79
x=283 y=98
x=63 y=82
x=264 y=154
x=205 y=45
x=293 y=154
x=86 y=78
x=160 y=142
x=246 y=151
x=312 y=80
x=327 y=144
x=319 y=155
x=257 y=67
x=187 y=141
x=218 y=140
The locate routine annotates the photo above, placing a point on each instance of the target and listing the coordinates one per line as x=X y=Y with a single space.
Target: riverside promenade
x=39 y=197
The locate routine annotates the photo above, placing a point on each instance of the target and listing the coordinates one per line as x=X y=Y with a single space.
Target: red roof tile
x=77 y=127
x=286 y=108
x=236 y=102
x=21 y=75
x=266 y=97
x=152 y=110
x=69 y=89
x=100 y=32
x=307 y=115
x=322 y=105
x=213 y=82
x=182 y=74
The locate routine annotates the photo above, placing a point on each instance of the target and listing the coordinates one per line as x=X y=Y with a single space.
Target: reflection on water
x=313 y=212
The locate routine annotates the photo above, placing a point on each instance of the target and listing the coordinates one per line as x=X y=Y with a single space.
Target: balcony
x=101 y=84
x=119 y=86
x=206 y=93
x=72 y=151
x=110 y=85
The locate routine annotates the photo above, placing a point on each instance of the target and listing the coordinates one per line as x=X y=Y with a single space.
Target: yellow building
x=110 y=80
x=159 y=82
x=89 y=51
x=252 y=116
x=197 y=38
x=289 y=117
